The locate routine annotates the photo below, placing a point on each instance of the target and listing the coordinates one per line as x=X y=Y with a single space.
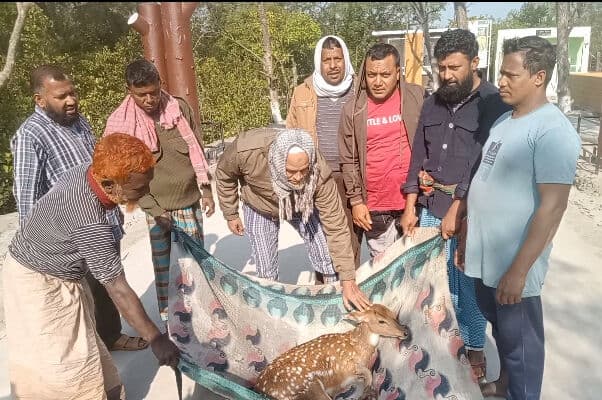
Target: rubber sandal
x=129 y=343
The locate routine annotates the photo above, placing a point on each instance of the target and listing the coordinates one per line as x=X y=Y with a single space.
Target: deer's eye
x=382 y=321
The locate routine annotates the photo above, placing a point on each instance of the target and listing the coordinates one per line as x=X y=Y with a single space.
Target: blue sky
x=496 y=10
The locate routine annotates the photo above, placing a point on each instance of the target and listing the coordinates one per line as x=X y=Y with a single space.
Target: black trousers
x=519 y=336
x=108 y=321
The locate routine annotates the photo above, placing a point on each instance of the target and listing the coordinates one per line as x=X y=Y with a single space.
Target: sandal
x=479 y=369
x=129 y=343
x=492 y=389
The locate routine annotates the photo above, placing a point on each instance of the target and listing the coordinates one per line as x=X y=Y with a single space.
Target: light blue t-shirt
x=540 y=147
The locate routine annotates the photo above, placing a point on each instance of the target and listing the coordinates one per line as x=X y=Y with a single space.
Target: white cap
x=295 y=150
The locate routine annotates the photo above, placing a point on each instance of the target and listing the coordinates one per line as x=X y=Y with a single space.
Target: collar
x=97 y=190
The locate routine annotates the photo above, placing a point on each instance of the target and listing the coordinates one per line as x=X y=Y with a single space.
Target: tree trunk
x=13 y=41
x=422 y=16
x=562 y=56
x=429 y=54
x=294 y=72
x=461 y=15
x=268 y=68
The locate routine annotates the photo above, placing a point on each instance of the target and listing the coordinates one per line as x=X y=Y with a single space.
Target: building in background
x=579 y=45
x=411 y=47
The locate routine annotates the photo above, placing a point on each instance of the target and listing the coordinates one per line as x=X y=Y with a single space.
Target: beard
x=454 y=94
x=298 y=186
x=60 y=117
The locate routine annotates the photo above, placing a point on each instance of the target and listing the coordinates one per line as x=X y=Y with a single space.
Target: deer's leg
x=364 y=374
x=317 y=391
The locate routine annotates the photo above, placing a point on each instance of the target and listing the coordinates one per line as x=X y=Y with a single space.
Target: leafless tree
x=423 y=15
x=268 y=67
x=13 y=41
x=461 y=15
x=566 y=16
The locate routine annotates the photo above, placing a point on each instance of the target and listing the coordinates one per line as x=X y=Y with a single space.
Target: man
x=453 y=126
x=54 y=139
x=316 y=107
x=54 y=350
x=516 y=202
x=166 y=125
x=375 y=134
x=282 y=176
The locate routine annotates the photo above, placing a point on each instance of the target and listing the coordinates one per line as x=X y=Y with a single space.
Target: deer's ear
x=356 y=316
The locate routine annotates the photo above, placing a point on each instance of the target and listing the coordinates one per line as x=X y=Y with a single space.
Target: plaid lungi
x=190 y=220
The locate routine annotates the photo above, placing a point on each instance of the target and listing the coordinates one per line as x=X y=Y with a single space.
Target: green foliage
x=224 y=99
x=233 y=88
x=87 y=26
x=96 y=70
x=101 y=81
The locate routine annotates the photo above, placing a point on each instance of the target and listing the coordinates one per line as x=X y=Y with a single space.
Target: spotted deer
x=332 y=364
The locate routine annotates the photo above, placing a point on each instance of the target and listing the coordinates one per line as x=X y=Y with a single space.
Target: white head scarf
x=324 y=89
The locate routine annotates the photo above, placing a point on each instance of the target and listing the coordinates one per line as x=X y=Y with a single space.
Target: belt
x=428 y=185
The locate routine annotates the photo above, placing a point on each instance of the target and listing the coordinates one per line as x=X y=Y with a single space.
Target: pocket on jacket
x=433 y=132
x=465 y=135
x=304 y=104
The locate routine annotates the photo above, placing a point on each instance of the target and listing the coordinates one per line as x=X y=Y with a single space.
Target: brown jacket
x=245 y=160
x=304 y=108
x=353 y=131
x=303 y=111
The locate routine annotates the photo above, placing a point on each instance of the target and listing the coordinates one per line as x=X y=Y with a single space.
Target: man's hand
x=361 y=216
x=236 y=226
x=164 y=221
x=510 y=288
x=460 y=252
x=353 y=295
x=208 y=206
x=128 y=304
x=409 y=221
x=451 y=221
x=165 y=350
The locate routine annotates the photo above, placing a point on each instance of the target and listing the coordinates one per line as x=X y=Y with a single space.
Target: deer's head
x=380 y=320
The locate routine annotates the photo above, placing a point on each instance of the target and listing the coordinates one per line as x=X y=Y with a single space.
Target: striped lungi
x=263 y=232
x=54 y=351
x=470 y=319
x=190 y=220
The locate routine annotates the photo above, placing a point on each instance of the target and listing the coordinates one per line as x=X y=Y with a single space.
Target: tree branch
x=242 y=46
x=15 y=36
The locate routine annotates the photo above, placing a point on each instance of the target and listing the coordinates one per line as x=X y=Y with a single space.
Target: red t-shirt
x=388 y=155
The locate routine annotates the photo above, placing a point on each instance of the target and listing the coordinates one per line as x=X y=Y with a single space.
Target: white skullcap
x=295 y=150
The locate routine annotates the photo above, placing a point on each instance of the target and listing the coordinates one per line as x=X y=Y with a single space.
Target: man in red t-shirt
x=375 y=136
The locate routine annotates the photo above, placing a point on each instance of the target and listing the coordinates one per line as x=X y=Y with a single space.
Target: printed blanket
x=229 y=325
